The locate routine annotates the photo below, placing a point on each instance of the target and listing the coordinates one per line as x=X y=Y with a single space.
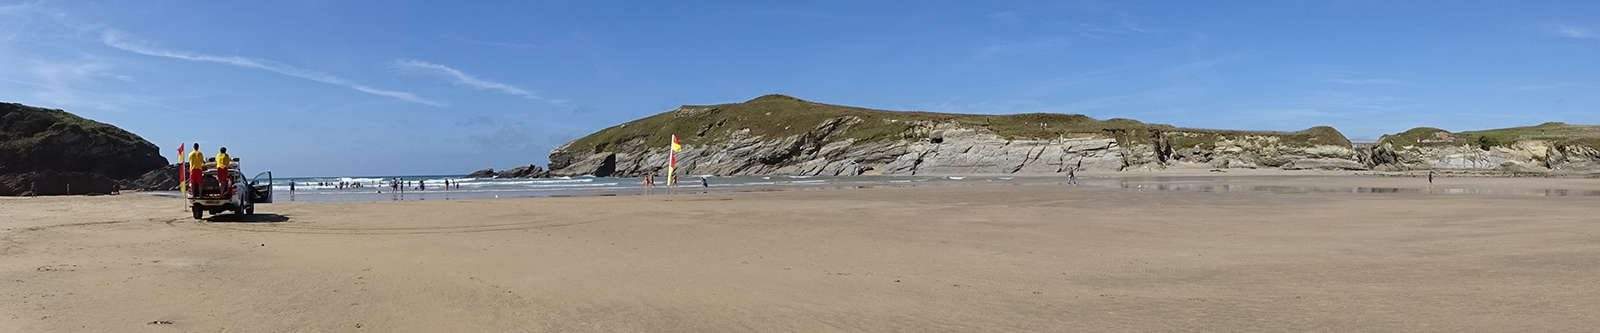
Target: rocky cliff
x=50 y=152
x=1547 y=148
x=778 y=134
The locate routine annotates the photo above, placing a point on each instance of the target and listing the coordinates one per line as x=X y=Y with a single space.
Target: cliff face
x=47 y=152
x=1547 y=148
x=782 y=135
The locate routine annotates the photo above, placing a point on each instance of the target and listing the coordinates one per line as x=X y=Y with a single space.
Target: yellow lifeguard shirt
x=197 y=161
x=223 y=161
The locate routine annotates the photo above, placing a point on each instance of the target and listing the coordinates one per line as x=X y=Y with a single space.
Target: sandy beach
x=979 y=257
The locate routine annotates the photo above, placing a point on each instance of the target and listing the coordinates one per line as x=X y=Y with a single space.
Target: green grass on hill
x=775 y=116
x=1556 y=133
x=22 y=126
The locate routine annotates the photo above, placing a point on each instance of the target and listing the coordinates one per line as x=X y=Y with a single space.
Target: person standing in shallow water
x=1430 y=176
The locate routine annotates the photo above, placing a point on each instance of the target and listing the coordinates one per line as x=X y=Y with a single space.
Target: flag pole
x=672 y=163
x=183 y=176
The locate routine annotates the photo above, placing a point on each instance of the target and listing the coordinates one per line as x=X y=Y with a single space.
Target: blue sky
x=400 y=87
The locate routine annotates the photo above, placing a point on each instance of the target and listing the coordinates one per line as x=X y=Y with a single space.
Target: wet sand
x=981 y=257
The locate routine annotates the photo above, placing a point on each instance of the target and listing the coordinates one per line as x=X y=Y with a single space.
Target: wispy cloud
x=511 y=45
x=16 y=7
x=1366 y=81
x=1124 y=25
x=1550 y=86
x=1052 y=45
x=458 y=77
x=1573 y=31
x=1355 y=79
x=85 y=83
x=119 y=41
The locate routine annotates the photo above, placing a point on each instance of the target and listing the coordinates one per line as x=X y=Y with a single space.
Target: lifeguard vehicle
x=240 y=198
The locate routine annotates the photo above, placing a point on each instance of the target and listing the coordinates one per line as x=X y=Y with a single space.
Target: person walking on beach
x=1430 y=176
x=1072 y=174
x=197 y=167
x=223 y=163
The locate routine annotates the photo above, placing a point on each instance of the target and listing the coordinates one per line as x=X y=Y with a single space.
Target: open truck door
x=261 y=188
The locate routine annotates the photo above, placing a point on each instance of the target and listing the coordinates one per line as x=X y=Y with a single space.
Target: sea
x=432 y=187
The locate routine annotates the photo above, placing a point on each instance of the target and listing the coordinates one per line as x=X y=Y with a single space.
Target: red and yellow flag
x=672 y=162
x=183 y=182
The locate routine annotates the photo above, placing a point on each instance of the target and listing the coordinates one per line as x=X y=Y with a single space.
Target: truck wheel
x=196 y=211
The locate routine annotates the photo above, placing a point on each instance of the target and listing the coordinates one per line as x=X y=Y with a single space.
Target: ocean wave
x=361 y=180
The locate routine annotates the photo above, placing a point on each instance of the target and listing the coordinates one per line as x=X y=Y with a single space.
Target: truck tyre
x=196 y=211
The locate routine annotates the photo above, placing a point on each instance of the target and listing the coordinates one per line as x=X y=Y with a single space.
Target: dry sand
x=947 y=258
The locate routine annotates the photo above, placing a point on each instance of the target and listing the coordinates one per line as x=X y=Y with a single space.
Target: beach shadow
x=249 y=218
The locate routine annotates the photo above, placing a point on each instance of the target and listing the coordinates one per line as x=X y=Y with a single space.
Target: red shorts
x=194 y=180
x=224 y=180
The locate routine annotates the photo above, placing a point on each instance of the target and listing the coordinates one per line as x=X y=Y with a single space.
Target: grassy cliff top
x=776 y=116
x=22 y=126
x=40 y=139
x=1556 y=133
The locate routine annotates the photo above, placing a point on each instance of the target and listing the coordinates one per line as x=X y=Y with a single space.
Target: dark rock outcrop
x=56 y=183
x=526 y=171
x=485 y=173
x=44 y=150
x=163 y=179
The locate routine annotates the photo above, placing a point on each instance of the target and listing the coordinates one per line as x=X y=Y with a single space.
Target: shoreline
x=1580 y=186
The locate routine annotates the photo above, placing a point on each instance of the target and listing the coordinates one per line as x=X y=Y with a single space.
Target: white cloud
x=15 y=7
x=458 y=77
x=117 y=40
x=1572 y=31
x=1550 y=86
x=85 y=83
x=512 y=45
x=1358 y=79
x=1366 y=81
x=1053 y=45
